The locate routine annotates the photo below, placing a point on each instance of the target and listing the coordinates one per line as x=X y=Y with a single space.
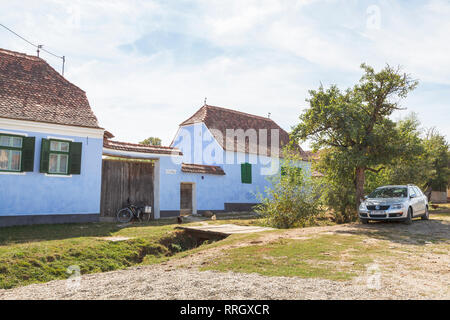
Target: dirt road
x=422 y=273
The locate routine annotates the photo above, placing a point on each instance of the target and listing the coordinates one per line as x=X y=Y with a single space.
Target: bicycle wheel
x=124 y=215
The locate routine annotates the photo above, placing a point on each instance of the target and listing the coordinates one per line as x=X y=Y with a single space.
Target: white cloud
x=269 y=53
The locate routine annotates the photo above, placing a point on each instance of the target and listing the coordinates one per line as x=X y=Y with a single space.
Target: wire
x=38 y=47
x=18 y=35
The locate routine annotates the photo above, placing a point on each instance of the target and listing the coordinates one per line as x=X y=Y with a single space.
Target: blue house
x=50 y=146
x=57 y=165
x=218 y=161
x=228 y=157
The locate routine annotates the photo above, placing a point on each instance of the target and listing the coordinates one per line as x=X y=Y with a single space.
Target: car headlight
x=397 y=206
x=362 y=206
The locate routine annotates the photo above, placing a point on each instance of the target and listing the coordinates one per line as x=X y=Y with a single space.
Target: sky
x=147 y=66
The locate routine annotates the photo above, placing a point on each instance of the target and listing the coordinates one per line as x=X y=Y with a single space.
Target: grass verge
x=326 y=256
x=33 y=254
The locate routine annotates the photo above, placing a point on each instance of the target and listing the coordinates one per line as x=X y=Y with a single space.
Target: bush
x=291 y=201
x=337 y=185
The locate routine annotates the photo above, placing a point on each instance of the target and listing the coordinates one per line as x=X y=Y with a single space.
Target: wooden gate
x=123 y=180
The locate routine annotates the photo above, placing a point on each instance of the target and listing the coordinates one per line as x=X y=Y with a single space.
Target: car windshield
x=391 y=192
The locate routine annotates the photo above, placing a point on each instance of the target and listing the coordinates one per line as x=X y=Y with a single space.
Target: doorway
x=187 y=199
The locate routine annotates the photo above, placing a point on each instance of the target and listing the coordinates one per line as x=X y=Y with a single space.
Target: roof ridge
x=21 y=55
x=238 y=112
x=38 y=59
x=36 y=91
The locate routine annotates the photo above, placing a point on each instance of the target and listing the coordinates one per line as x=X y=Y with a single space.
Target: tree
x=438 y=157
x=412 y=166
x=425 y=164
x=151 y=141
x=355 y=124
x=337 y=184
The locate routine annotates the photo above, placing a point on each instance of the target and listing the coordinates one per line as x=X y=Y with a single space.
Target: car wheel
x=364 y=221
x=409 y=216
x=426 y=216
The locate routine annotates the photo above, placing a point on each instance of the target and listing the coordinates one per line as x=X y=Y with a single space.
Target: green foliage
x=410 y=165
x=354 y=124
x=292 y=199
x=151 y=141
x=424 y=160
x=337 y=188
x=438 y=158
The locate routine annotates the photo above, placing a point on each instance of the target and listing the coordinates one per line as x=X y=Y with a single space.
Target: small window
x=60 y=157
x=246 y=173
x=16 y=153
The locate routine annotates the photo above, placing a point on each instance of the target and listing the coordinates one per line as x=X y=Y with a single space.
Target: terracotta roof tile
x=30 y=89
x=133 y=147
x=201 y=168
x=218 y=120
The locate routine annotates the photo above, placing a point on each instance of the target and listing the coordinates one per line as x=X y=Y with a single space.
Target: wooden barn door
x=123 y=180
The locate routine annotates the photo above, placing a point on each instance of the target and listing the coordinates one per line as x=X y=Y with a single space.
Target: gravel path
x=424 y=275
x=158 y=283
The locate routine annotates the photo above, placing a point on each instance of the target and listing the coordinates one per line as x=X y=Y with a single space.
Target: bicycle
x=142 y=214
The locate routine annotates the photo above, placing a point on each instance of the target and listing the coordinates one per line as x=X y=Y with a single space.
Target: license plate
x=378 y=213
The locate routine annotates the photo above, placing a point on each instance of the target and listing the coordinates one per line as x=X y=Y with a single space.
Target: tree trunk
x=428 y=192
x=359 y=184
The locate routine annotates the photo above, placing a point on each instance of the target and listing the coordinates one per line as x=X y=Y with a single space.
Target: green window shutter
x=75 y=158
x=28 y=154
x=45 y=156
x=246 y=173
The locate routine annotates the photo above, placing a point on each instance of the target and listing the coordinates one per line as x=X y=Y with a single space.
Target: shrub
x=292 y=199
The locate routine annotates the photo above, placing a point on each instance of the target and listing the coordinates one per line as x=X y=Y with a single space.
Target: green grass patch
x=41 y=253
x=33 y=254
x=332 y=257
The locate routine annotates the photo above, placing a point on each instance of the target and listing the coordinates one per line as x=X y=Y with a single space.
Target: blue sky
x=148 y=65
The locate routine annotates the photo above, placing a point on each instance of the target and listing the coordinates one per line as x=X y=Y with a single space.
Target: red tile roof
x=32 y=90
x=107 y=135
x=201 y=168
x=133 y=147
x=221 y=119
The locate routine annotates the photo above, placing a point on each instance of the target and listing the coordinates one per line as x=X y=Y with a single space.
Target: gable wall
x=214 y=191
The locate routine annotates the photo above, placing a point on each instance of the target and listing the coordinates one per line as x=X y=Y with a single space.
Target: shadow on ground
x=35 y=233
x=420 y=232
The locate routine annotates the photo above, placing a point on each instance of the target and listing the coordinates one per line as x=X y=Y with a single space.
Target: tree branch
x=375 y=170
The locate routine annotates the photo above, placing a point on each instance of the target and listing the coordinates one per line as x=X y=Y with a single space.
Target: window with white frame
x=59 y=157
x=10 y=153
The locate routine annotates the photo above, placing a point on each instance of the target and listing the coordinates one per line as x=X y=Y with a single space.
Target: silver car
x=402 y=203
